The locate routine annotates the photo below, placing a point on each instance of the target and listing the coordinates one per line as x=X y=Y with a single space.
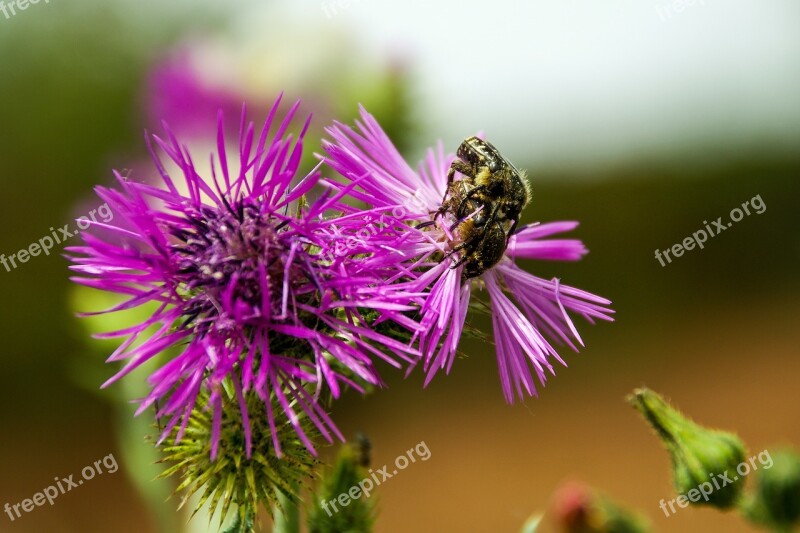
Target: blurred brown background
x=639 y=125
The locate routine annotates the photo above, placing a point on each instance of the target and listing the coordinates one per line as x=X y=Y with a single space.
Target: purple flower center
x=226 y=259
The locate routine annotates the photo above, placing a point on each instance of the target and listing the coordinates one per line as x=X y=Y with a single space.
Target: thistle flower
x=178 y=94
x=188 y=84
x=232 y=262
x=377 y=174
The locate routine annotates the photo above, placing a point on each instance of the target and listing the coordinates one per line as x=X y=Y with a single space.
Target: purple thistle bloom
x=379 y=176
x=232 y=262
x=177 y=94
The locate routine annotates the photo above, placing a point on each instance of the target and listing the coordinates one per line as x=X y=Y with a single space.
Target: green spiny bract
x=232 y=478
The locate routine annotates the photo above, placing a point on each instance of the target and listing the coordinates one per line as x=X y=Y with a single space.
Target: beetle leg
x=460 y=166
x=467 y=197
x=460 y=262
x=511 y=230
x=465 y=257
x=460 y=213
x=464 y=244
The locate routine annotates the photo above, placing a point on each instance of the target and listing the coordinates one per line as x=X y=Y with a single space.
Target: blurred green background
x=638 y=124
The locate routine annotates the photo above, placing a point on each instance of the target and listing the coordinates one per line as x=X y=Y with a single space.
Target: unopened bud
x=579 y=509
x=700 y=457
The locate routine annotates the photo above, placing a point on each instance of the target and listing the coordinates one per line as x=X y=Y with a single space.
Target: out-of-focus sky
x=587 y=81
x=566 y=84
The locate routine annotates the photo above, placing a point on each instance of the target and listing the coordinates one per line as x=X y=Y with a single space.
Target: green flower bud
x=343 y=501
x=231 y=478
x=776 y=501
x=704 y=461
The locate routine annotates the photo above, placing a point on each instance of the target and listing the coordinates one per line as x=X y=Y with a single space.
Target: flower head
x=528 y=312
x=232 y=261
